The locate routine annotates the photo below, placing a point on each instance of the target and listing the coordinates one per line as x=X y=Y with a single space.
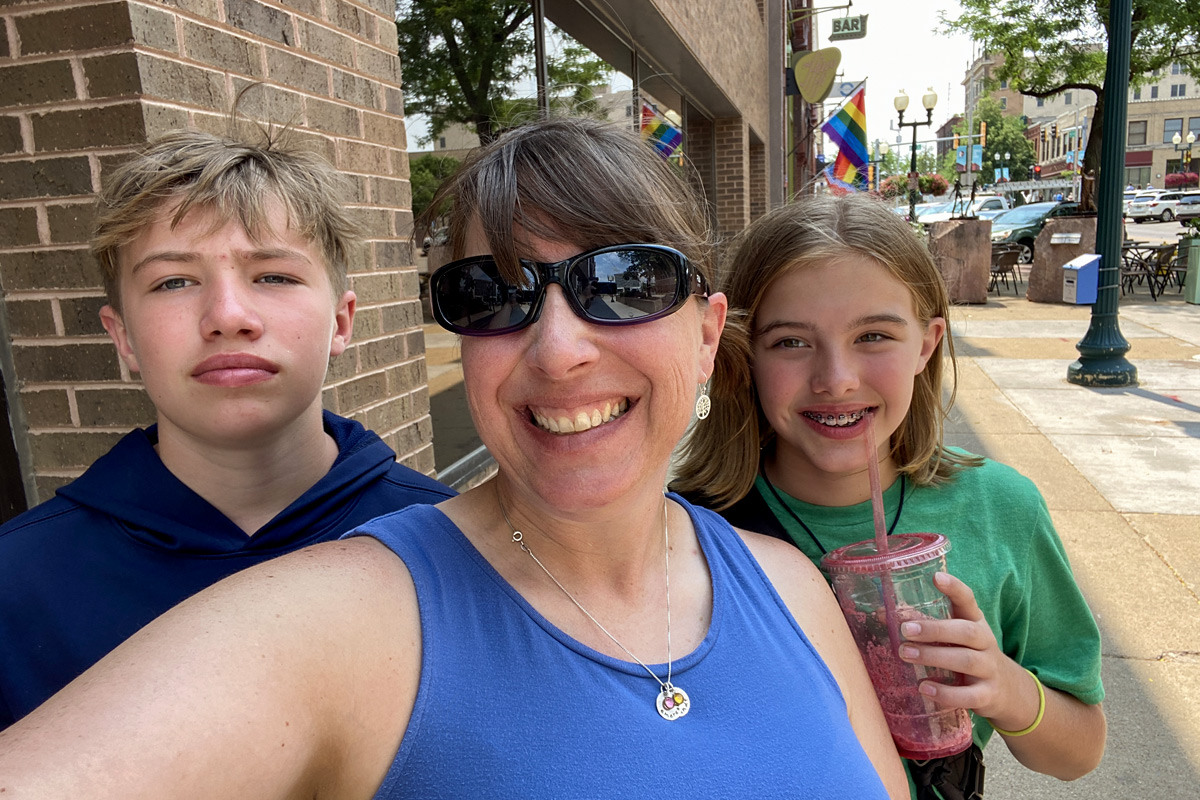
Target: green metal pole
x=1102 y=350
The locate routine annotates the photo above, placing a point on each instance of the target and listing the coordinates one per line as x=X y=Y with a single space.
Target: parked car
x=438 y=237
x=1154 y=205
x=1022 y=225
x=902 y=209
x=990 y=213
x=925 y=209
x=964 y=207
x=1126 y=200
x=1189 y=207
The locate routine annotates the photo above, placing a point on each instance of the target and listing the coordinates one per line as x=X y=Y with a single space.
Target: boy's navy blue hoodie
x=127 y=540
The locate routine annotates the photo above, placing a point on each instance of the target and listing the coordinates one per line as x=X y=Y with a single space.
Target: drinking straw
x=881 y=542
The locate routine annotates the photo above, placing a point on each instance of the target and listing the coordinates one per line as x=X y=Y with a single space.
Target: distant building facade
x=1167 y=106
x=1058 y=126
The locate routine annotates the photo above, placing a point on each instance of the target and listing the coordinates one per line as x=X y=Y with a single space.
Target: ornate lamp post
x=1185 y=147
x=1001 y=161
x=1102 y=350
x=881 y=151
x=929 y=100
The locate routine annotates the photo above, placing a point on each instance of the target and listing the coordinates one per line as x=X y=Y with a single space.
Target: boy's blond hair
x=239 y=180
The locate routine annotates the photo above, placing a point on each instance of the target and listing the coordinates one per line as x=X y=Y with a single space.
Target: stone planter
x=1046 y=273
x=962 y=250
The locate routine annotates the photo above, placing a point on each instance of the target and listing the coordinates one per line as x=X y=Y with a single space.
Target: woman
x=840 y=323
x=563 y=630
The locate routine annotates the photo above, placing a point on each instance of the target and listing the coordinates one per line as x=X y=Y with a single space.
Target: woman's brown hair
x=573 y=180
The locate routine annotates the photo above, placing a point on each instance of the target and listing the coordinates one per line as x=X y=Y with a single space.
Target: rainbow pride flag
x=659 y=131
x=848 y=130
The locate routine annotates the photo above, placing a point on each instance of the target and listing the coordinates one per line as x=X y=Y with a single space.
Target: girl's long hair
x=720 y=458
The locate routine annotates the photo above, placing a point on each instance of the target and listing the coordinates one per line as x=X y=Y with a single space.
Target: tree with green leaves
x=1005 y=134
x=426 y=174
x=1051 y=46
x=464 y=61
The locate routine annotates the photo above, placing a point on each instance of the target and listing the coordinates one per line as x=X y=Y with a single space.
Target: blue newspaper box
x=1081 y=277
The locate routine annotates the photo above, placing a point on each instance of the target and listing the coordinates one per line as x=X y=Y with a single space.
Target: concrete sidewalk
x=1120 y=469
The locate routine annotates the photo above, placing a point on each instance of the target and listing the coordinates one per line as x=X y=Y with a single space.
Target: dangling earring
x=703 y=403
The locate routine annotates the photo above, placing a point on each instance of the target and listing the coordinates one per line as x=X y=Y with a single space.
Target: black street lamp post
x=1001 y=161
x=1184 y=146
x=881 y=151
x=929 y=100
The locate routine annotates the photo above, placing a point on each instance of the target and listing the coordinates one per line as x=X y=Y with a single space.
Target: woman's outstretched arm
x=266 y=685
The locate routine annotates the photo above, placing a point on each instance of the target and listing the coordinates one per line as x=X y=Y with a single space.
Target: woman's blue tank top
x=510 y=706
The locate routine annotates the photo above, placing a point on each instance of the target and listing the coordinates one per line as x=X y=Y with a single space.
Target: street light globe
x=1191 y=137
x=883 y=148
x=1007 y=156
x=1176 y=139
x=929 y=99
x=901 y=101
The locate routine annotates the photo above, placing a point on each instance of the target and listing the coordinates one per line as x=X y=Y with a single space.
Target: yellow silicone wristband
x=1036 y=720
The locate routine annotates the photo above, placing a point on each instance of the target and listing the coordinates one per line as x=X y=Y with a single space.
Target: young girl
x=838 y=320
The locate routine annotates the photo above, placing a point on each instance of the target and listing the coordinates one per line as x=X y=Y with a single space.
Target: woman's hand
x=1069 y=740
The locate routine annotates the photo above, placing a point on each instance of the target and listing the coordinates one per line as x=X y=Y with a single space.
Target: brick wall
x=731 y=38
x=698 y=145
x=758 y=180
x=82 y=84
x=732 y=198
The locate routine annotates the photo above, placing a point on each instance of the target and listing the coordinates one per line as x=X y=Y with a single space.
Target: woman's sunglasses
x=620 y=285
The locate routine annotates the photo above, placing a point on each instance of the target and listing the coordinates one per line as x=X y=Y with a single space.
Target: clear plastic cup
x=866 y=583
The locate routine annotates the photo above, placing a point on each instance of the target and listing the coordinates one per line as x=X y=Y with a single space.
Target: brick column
x=81 y=85
x=758 y=180
x=698 y=145
x=733 y=175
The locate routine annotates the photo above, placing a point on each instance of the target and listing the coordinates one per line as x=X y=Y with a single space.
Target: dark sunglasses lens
x=475 y=297
x=626 y=284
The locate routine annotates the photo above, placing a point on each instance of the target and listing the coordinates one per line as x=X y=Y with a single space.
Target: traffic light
x=1043 y=135
x=983 y=134
x=1053 y=130
x=1037 y=172
x=956 y=142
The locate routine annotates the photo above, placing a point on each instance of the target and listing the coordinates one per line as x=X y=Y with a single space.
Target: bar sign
x=849 y=28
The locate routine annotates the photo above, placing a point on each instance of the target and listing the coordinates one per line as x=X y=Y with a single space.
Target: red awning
x=1139 y=158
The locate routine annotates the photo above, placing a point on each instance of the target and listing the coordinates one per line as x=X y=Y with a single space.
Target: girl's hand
x=994 y=686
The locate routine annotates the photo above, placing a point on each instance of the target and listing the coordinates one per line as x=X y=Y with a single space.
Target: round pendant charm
x=673 y=703
x=703 y=406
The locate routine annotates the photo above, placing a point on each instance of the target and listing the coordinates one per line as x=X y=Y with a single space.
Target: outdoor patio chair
x=1135 y=269
x=1160 y=268
x=1005 y=260
x=1177 y=269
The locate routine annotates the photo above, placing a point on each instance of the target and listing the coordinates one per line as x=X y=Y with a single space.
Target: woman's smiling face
x=831 y=343
x=581 y=414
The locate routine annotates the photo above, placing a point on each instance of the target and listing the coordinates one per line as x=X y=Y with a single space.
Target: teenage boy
x=225 y=270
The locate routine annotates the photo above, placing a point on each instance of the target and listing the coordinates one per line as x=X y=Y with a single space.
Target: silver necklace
x=672 y=702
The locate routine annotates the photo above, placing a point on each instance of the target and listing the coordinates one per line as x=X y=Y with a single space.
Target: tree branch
x=1063 y=87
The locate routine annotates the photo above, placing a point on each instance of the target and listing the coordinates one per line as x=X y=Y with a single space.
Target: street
x=1153 y=231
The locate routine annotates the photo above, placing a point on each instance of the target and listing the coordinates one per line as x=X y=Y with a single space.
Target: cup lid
x=904 y=550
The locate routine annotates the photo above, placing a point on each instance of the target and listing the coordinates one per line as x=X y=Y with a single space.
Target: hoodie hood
x=131 y=485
